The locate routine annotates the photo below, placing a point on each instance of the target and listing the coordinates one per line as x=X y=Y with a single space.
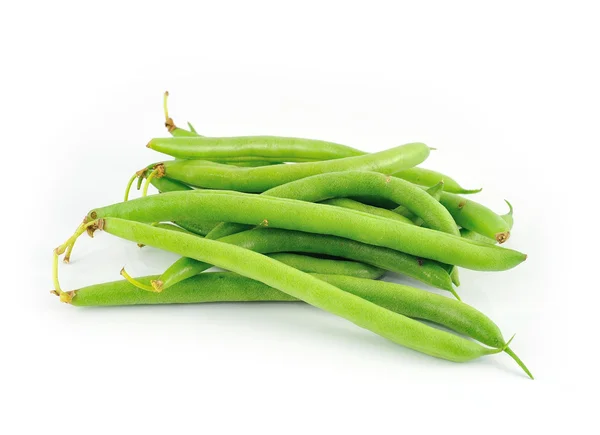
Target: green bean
x=476 y=217
x=472 y=235
x=359 y=206
x=169 y=226
x=395 y=327
x=179 y=132
x=341 y=184
x=300 y=215
x=250 y=148
x=229 y=287
x=434 y=191
x=203 y=288
x=428 y=178
x=215 y=176
x=270 y=240
x=424 y=305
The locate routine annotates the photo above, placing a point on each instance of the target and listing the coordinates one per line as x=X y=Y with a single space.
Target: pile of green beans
x=294 y=219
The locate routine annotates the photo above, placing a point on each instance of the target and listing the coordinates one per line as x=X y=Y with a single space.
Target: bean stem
x=138 y=284
x=129 y=184
x=155 y=172
x=168 y=121
x=68 y=247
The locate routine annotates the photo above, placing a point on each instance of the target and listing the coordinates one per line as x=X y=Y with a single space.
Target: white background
x=508 y=93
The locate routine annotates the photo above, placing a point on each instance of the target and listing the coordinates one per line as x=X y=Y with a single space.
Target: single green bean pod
x=342 y=184
x=476 y=217
x=229 y=287
x=210 y=175
x=251 y=148
x=300 y=215
x=472 y=235
x=393 y=326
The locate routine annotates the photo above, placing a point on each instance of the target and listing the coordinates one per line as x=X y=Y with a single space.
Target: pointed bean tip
x=518 y=360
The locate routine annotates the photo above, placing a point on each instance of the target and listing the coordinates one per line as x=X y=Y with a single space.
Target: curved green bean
x=395 y=327
x=215 y=176
x=476 y=217
x=472 y=235
x=229 y=287
x=352 y=183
